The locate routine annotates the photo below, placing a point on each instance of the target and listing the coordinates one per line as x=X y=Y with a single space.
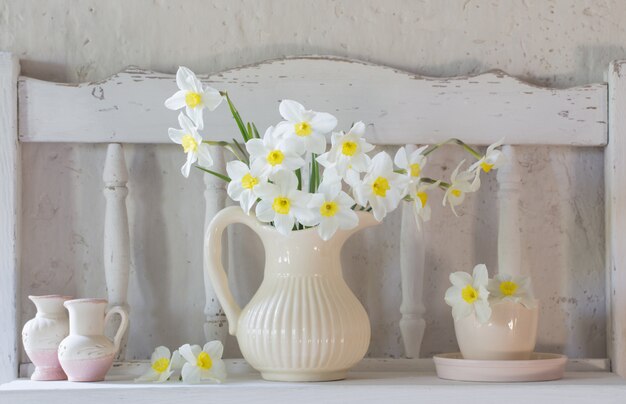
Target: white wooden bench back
x=402 y=108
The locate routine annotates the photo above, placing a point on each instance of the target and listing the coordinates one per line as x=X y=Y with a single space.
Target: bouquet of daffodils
x=293 y=182
x=476 y=293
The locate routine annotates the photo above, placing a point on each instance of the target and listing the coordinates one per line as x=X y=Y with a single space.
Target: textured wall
x=559 y=43
x=554 y=42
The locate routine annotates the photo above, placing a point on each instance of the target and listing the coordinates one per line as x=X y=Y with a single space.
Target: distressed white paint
x=124 y=107
x=216 y=326
x=371 y=381
x=509 y=238
x=132 y=369
x=412 y=259
x=116 y=235
x=10 y=212
x=615 y=213
x=167 y=288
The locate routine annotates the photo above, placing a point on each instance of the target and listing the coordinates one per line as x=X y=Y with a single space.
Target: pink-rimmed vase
x=42 y=335
x=86 y=355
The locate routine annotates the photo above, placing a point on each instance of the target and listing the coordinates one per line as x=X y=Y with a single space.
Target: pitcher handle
x=123 y=324
x=213 y=251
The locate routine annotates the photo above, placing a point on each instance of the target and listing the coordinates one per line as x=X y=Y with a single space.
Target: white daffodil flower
x=193 y=96
x=492 y=160
x=190 y=139
x=421 y=208
x=348 y=151
x=332 y=208
x=469 y=294
x=512 y=288
x=460 y=184
x=160 y=366
x=203 y=363
x=282 y=203
x=305 y=126
x=273 y=153
x=243 y=182
x=381 y=187
x=411 y=160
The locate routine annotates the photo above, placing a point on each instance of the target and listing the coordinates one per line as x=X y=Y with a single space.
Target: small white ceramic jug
x=86 y=355
x=42 y=335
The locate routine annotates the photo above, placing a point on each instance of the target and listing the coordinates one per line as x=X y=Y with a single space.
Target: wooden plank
x=615 y=222
x=402 y=107
x=10 y=192
x=133 y=369
x=369 y=387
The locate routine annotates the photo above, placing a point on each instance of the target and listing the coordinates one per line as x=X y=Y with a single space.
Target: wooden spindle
x=509 y=239
x=412 y=256
x=116 y=237
x=216 y=325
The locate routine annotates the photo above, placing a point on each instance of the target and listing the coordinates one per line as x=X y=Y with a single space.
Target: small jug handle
x=123 y=324
x=214 y=267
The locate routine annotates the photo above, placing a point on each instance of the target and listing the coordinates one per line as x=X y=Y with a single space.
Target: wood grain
x=401 y=107
x=10 y=192
x=615 y=214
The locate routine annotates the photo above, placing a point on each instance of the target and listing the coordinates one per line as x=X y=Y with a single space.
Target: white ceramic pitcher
x=87 y=354
x=304 y=323
x=41 y=336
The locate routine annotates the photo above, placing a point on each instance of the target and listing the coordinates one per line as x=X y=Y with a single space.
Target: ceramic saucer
x=540 y=367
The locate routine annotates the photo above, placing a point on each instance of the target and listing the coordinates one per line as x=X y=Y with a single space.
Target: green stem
x=218 y=175
x=228 y=147
x=459 y=142
x=442 y=184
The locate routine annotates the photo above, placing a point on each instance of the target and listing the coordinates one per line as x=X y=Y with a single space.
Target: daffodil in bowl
x=494 y=319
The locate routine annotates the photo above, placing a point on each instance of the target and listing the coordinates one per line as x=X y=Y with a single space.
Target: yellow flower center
x=275 y=157
x=303 y=128
x=486 y=166
x=329 y=209
x=423 y=197
x=161 y=365
x=248 y=181
x=381 y=186
x=416 y=170
x=456 y=192
x=508 y=288
x=189 y=144
x=193 y=99
x=469 y=294
x=281 y=205
x=349 y=148
x=204 y=361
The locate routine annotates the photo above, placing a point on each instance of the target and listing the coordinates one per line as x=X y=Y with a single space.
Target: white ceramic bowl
x=510 y=333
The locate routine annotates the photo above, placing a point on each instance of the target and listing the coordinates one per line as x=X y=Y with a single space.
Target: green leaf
x=244 y=154
x=256 y=131
x=218 y=175
x=299 y=176
x=238 y=120
x=314 y=180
